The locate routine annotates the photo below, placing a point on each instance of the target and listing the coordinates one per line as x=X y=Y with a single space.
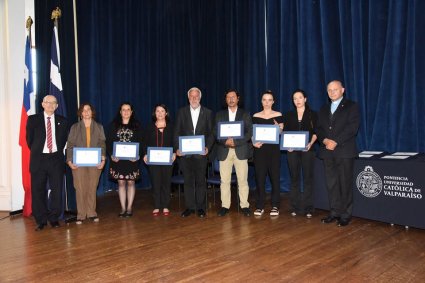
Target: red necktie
x=49 y=135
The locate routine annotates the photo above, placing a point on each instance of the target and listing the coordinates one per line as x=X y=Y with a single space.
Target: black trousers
x=50 y=169
x=267 y=164
x=301 y=161
x=161 y=184
x=195 y=182
x=339 y=183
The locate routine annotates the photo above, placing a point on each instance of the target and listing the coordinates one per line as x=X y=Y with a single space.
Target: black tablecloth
x=385 y=190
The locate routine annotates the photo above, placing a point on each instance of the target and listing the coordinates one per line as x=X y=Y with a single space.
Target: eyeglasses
x=50 y=102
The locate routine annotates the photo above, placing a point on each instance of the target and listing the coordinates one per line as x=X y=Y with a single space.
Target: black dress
x=267 y=161
x=123 y=169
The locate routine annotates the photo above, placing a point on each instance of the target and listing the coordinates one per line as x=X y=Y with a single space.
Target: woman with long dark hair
x=301 y=119
x=159 y=133
x=125 y=128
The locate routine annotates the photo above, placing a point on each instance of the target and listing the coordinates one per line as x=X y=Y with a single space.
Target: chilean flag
x=28 y=108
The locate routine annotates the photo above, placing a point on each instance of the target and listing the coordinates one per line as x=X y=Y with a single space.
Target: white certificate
x=126 y=150
x=192 y=144
x=266 y=133
x=294 y=140
x=160 y=155
x=86 y=156
x=230 y=130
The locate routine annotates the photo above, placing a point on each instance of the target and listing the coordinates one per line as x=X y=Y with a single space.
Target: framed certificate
x=160 y=156
x=266 y=133
x=86 y=156
x=192 y=144
x=126 y=150
x=294 y=140
x=230 y=130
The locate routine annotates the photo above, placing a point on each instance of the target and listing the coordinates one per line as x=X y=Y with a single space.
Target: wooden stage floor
x=233 y=248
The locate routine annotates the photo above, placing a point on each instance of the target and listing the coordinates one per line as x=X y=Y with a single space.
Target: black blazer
x=342 y=127
x=36 y=137
x=184 y=126
x=243 y=147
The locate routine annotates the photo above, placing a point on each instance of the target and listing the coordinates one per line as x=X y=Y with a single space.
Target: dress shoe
x=55 y=224
x=223 y=211
x=187 y=212
x=342 y=222
x=40 y=227
x=246 y=211
x=330 y=219
x=201 y=213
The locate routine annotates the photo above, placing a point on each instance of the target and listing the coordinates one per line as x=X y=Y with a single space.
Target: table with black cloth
x=387 y=190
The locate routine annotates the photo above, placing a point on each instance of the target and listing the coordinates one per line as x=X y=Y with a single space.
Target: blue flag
x=55 y=76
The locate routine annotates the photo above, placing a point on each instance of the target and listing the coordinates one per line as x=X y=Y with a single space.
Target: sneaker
x=274 y=211
x=79 y=222
x=293 y=213
x=309 y=215
x=258 y=212
x=94 y=218
x=246 y=211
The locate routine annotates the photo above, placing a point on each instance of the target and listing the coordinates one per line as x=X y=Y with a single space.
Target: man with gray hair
x=194 y=120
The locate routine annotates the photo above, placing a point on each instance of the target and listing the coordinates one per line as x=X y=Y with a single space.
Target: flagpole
x=77 y=67
x=28 y=26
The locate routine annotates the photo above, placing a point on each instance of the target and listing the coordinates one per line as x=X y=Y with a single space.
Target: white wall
x=13 y=15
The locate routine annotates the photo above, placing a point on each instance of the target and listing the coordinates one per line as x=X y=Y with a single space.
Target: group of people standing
x=335 y=127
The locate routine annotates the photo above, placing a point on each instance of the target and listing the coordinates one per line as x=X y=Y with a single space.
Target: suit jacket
x=243 y=147
x=184 y=126
x=342 y=127
x=36 y=137
x=78 y=138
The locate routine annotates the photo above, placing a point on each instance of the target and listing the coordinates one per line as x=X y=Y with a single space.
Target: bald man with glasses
x=46 y=137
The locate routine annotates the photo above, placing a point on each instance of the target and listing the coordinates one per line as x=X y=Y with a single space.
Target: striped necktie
x=49 y=135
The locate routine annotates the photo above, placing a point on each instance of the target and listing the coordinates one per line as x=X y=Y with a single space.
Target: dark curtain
x=148 y=52
x=374 y=47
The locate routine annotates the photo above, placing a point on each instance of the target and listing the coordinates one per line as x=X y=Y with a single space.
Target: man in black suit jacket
x=47 y=161
x=338 y=123
x=234 y=152
x=194 y=120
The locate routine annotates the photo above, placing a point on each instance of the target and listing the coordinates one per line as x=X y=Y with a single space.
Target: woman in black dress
x=302 y=119
x=124 y=128
x=159 y=134
x=267 y=157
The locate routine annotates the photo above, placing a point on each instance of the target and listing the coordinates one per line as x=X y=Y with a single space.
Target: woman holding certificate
x=123 y=146
x=159 y=138
x=302 y=119
x=85 y=154
x=267 y=154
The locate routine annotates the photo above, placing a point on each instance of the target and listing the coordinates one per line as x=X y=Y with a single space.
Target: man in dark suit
x=194 y=119
x=234 y=152
x=46 y=137
x=338 y=123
